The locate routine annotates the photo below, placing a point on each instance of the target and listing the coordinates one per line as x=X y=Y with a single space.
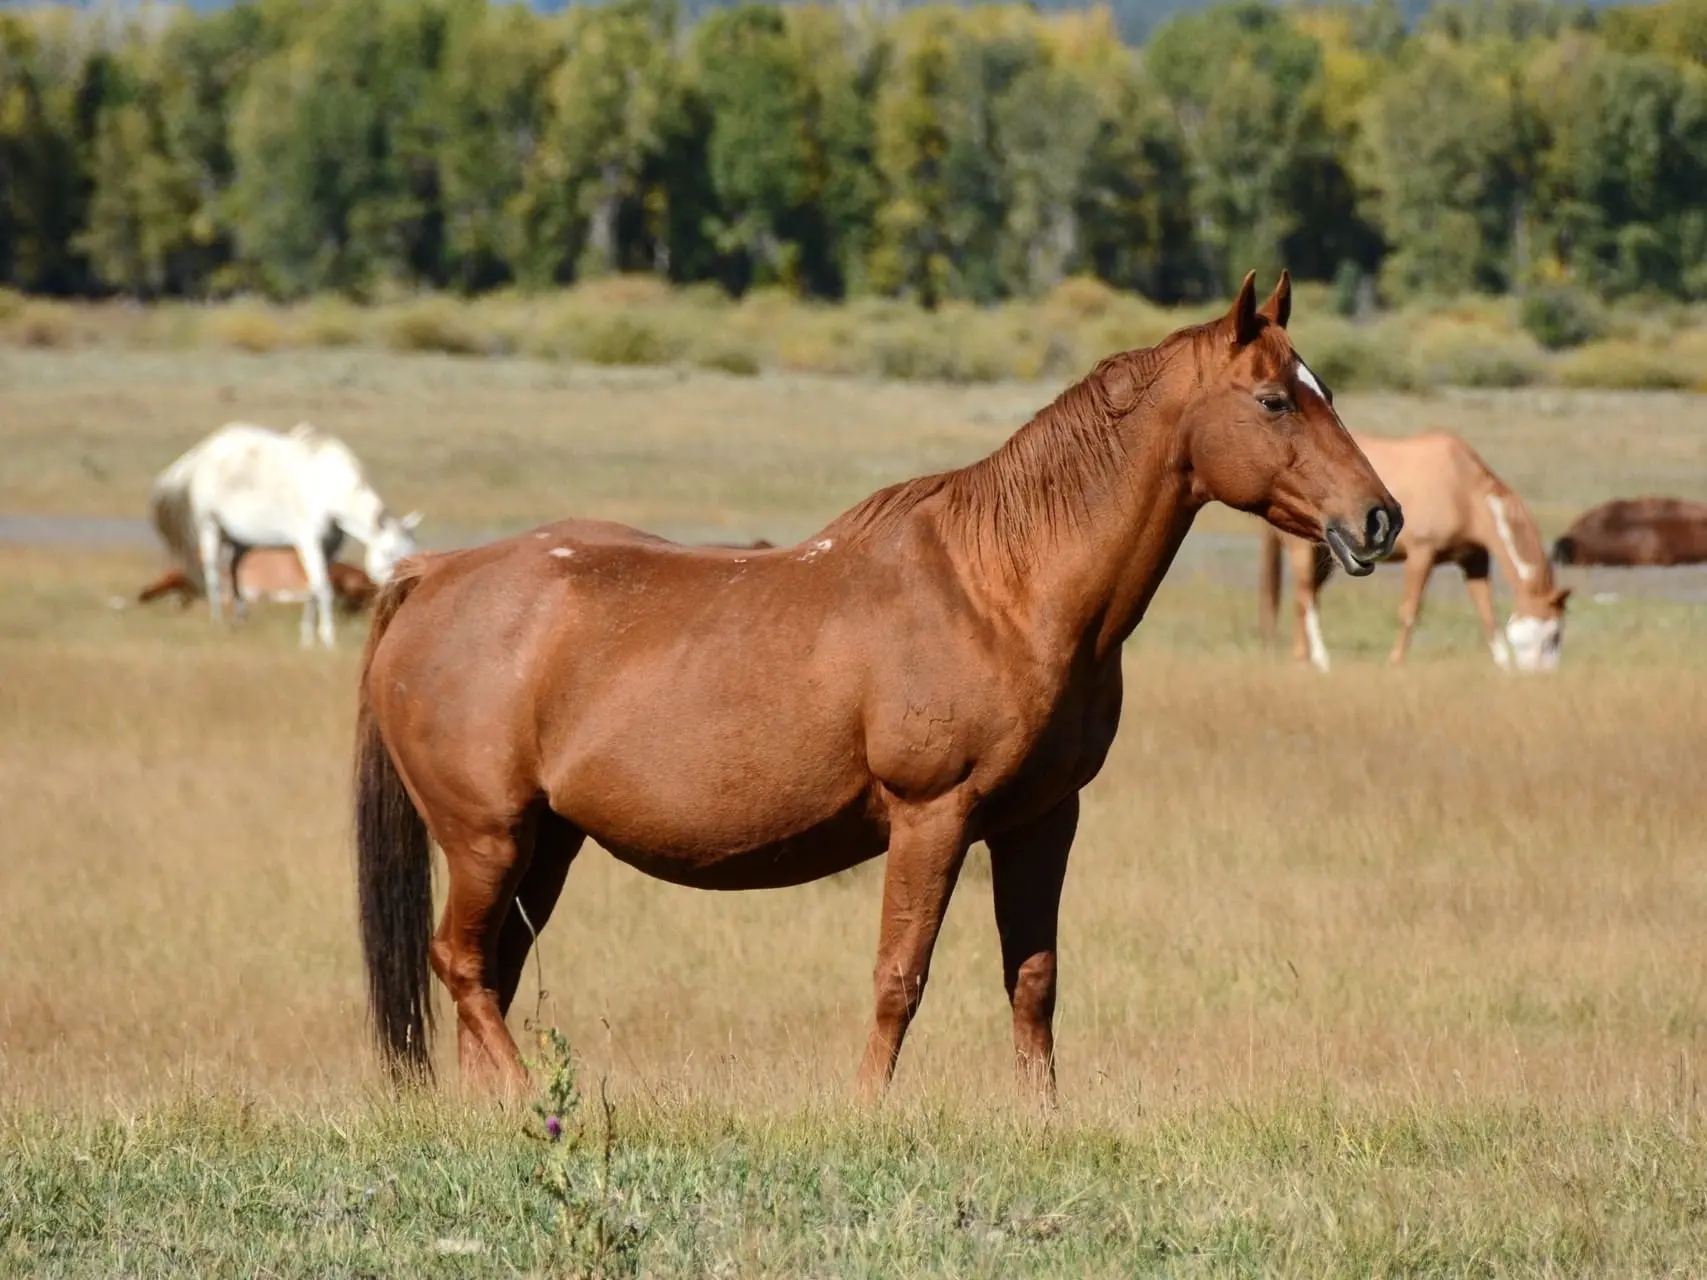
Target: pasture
x=1385 y=972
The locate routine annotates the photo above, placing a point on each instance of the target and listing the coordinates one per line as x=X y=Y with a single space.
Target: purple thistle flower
x=553 y=1127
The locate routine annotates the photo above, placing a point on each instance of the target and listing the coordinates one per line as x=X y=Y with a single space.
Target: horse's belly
x=844 y=841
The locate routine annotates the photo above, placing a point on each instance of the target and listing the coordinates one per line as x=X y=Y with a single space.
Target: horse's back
x=1640 y=531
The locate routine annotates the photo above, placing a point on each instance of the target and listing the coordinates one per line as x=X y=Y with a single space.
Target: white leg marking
x=1313 y=630
x=1525 y=570
x=1501 y=651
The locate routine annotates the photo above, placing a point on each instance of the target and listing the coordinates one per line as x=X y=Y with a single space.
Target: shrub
x=1472 y=355
x=1627 y=366
x=435 y=324
x=329 y=323
x=730 y=355
x=1350 y=357
x=246 y=328
x=622 y=340
x=1560 y=316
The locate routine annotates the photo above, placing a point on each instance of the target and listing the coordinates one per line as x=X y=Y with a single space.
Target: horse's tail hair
x=169 y=505
x=1268 y=584
x=394 y=888
x=1564 y=550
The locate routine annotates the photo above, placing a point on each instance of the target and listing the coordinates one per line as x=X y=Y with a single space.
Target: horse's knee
x=898 y=992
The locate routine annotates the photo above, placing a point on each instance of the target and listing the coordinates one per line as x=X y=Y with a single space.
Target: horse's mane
x=1044 y=477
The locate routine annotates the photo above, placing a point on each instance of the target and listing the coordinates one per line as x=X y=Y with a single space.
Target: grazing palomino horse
x=1636 y=531
x=246 y=486
x=274 y=574
x=1457 y=510
x=938 y=665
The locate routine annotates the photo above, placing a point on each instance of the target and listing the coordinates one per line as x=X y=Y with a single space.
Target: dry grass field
x=1388 y=972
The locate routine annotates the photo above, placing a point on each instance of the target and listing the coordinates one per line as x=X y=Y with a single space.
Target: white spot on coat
x=816 y=549
x=562 y=553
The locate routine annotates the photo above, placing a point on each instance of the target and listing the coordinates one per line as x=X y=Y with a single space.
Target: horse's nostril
x=1375 y=527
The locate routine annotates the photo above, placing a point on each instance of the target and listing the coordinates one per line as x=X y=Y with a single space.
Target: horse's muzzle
x=1381 y=525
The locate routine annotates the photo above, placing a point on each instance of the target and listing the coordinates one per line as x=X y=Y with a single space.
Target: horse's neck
x=1092 y=577
x=1510 y=534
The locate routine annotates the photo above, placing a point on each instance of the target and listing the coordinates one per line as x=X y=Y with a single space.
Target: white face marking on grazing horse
x=1524 y=569
x=245 y=486
x=1313 y=633
x=1535 y=642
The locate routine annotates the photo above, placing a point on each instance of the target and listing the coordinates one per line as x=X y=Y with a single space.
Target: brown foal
x=939 y=665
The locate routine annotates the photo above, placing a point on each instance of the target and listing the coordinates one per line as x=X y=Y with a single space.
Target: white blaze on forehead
x=1309 y=379
x=1313 y=632
x=1524 y=569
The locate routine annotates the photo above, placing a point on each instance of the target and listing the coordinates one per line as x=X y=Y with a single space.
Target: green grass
x=1308 y=1187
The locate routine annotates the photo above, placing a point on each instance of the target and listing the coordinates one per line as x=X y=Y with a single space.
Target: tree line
x=298 y=146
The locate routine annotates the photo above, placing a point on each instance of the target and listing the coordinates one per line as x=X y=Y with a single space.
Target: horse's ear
x=1242 y=324
x=411 y=520
x=1278 y=308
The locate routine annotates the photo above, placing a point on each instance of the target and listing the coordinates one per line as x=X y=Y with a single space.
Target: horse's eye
x=1275 y=404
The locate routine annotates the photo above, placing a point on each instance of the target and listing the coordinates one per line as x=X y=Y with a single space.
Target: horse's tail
x=394 y=887
x=1564 y=550
x=169 y=506
x=1268 y=584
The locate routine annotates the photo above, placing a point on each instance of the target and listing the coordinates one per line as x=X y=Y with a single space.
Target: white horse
x=246 y=486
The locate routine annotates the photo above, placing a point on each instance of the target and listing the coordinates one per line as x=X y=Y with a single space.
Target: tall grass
x=638 y=321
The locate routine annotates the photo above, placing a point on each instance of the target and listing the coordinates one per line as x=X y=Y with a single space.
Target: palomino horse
x=1458 y=510
x=1636 y=531
x=274 y=574
x=245 y=486
x=939 y=665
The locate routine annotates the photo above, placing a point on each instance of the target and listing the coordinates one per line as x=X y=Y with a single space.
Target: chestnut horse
x=1636 y=531
x=939 y=665
x=1456 y=510
x=274 y=574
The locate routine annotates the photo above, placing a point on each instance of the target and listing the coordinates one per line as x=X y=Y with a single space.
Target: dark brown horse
x=939 y=665
x=1636 y=531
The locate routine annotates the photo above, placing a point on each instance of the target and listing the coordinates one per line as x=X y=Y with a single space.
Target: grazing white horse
x=246 y=486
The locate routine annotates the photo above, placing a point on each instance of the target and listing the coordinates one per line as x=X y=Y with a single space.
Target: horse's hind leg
x=1027 y=869
x=209 y=542
x=486 y=868
x=556 y=842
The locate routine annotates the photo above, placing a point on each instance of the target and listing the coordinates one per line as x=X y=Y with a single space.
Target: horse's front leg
x=1028 y=866
x=927 y=845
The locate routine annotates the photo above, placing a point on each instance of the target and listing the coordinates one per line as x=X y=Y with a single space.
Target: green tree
x=758 y=153
x=491 y=121
x=335 y=144
x=614 y=103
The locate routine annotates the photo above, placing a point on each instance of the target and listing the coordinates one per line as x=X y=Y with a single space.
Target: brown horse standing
x=1636 y=531
x=1456 y=510
x=940 y=665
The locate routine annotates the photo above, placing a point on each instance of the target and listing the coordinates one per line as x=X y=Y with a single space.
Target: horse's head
x=393 y=540
x=1535 y=632
x=1263 y=437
